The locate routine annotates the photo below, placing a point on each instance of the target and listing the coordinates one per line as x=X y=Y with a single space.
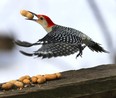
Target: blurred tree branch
x=103 y=26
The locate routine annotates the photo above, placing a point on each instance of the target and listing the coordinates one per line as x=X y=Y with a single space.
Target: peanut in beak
x=28 y=14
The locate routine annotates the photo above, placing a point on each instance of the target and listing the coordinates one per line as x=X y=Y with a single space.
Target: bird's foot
x=80 y=51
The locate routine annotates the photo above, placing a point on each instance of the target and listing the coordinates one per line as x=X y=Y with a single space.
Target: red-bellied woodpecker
x=60 y=40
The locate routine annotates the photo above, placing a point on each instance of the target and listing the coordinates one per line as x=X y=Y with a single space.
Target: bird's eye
x=41 y=18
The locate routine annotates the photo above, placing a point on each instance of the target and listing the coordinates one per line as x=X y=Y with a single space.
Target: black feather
x=25 y=53
x=96 y=47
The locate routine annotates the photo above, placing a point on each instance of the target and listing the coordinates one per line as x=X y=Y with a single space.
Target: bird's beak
x=34 y=15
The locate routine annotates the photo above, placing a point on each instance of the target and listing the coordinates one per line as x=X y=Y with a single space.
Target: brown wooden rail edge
x=96 y=82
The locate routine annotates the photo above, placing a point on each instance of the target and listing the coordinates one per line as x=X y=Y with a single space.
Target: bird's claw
x=80 y=51
x=79 y=54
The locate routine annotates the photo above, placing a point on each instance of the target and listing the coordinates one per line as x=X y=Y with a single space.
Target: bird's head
x=44 y=21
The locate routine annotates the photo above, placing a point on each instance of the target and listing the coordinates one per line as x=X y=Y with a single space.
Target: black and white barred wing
x=54 y=50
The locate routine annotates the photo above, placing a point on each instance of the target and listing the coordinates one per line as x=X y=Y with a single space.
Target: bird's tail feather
x=96 y=47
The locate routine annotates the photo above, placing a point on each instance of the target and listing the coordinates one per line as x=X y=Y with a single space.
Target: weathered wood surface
x=97 y=82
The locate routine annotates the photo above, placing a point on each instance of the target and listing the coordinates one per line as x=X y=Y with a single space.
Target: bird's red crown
x=49 y=21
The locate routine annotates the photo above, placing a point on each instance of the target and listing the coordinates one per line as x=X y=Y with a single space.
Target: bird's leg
x=26 y=44
x=80 y=50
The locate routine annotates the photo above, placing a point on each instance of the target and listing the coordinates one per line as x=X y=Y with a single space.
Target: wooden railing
x=96 y=82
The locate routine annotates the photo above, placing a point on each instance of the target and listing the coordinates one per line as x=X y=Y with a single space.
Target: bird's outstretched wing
x=55 y=50
x=25 y=43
